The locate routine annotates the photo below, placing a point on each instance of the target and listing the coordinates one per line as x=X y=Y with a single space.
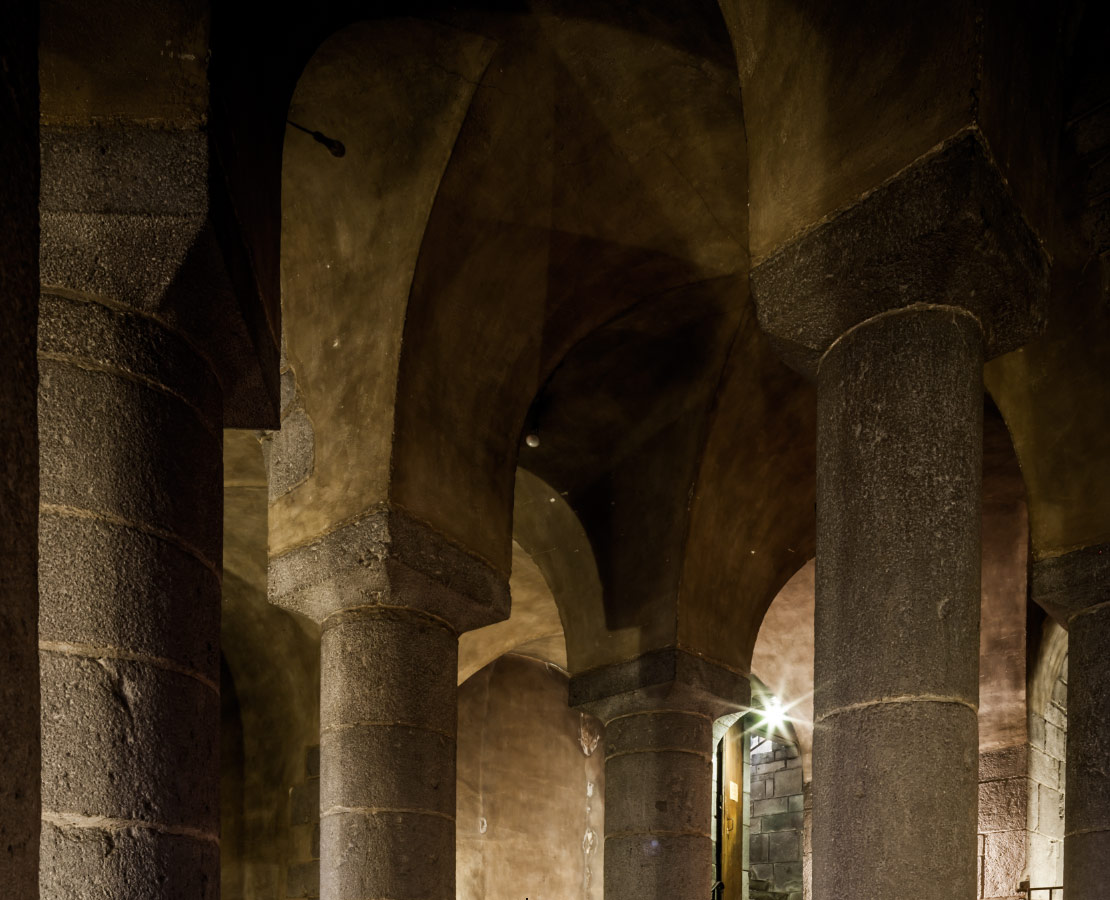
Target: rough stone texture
x=900 y=428
x=388 y=718
x=945 y=231
x=289 y=452
x=1069 y=584
x=127 y=864
x=684 y=680
x=898 y=519
x=109 y=588
x=1087 y=794
x=391 y=596
x=658 y=771
x=658 y=782
x=777 y=820
x=128 y=740
x=807 y=842
x=1046 y=766
x=19 y=672
x=112 y=195
x=1004 y=790
x=387 y=558
x=902 y=815
x=130 y=431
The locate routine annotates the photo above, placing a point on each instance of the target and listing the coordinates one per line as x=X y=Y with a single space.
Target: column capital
x=943 y=232
x=1067 y=586
x=669 y=678
x=114 y=194
x=388 y=558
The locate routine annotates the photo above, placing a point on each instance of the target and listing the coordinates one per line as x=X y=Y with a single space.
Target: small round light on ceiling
x=532 y=439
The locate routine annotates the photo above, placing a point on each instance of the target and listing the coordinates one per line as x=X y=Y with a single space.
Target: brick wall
x=1047 y=735
x=1004 y=787
x=777 y=823
x=1021 y=804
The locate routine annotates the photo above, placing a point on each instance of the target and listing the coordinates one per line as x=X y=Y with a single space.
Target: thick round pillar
x=130 y=551
x=658 y=804
x=388 y=718
x=895 y=753
x=658 y=711
x=1087 y=792
x=391 y=595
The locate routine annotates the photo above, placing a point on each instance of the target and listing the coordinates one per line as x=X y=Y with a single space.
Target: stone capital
x=1069 y=585
x=387 y=558
x=943 y=232
x=660 y=679
x=141 y=217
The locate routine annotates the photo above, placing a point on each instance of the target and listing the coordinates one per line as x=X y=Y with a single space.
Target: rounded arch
x=395 y=93
x=512 y=181
x=782 y=658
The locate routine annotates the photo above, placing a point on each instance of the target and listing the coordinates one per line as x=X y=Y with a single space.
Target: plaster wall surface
x=271 y=687
x=530 y=802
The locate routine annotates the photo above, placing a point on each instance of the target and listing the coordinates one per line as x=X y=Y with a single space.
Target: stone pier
x=658 y=712
x=892 y=305
x=392 y=597
x=130 y=549
x=139 y=338
x=1076 y=588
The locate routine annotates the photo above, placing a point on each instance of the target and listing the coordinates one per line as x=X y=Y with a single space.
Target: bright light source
x=774 y=715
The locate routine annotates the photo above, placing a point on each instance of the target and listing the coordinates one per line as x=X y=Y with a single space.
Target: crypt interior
x=555 y=450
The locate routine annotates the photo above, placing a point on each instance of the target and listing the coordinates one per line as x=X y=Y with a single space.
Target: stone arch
x=443 y=272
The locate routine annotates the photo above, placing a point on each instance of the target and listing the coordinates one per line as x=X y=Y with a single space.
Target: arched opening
x=759 y=802
x=531 y=786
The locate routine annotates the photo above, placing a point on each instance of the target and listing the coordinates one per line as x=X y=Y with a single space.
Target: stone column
x=893 y=305
x=19 y=670
x=392 y=597
x=658 y=712
x=130 y=524
x=1075 y=587
x=896 y=654
x=130 y=550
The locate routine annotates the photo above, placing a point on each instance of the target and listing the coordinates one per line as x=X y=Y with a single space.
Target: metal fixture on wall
x=335 y=148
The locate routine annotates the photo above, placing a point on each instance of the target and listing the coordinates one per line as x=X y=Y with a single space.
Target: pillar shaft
x=658 y=804
x=895 y=753
x=658 y=711
x=130 y=551
x=391 y=595
x=388 y=717
x=1087 y=791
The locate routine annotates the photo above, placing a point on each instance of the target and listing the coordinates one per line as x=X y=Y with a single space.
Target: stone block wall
x=1047 y=737
x=777 y=823
x=1003 y=791
x=807 y=841
x=1021 y=805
